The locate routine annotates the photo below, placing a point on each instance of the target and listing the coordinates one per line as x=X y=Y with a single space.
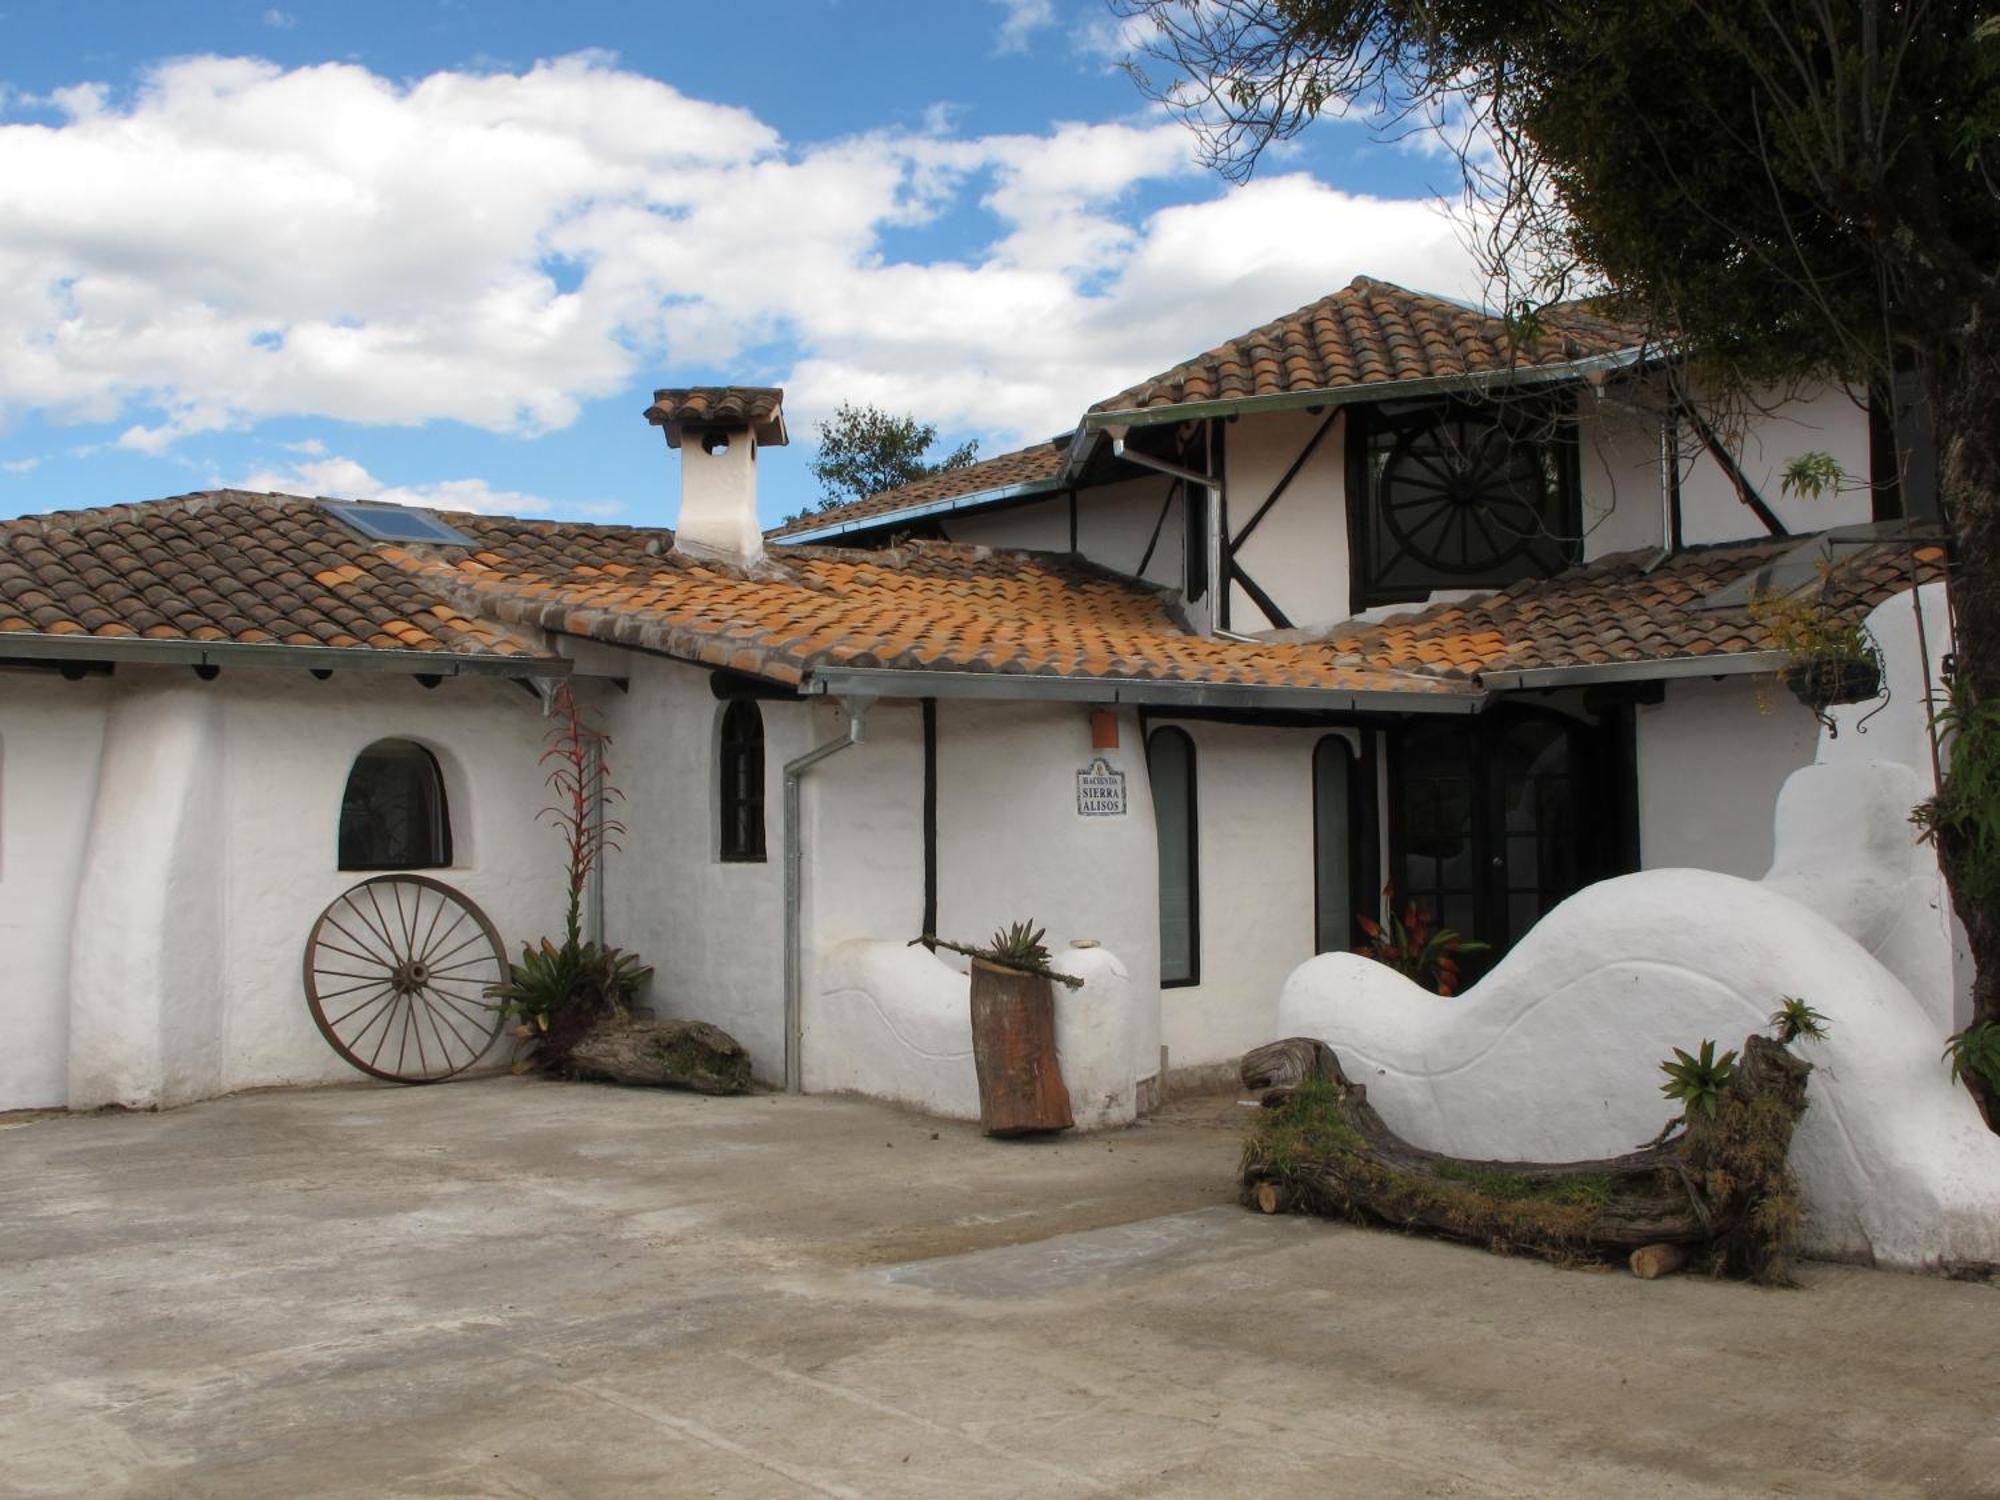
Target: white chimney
x=718 y=429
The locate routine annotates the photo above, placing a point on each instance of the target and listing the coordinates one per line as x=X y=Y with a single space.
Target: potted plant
x=1830 y=657
x=1021 y=1088
x=1408 y=944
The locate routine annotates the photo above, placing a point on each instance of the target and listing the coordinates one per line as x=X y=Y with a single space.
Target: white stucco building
x=1370 y=594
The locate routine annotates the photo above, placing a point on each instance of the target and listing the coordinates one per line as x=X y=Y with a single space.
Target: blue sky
x=442 y=251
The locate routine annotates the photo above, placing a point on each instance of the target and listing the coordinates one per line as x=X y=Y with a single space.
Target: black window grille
x=393 y=814
x=1461 y=495
x=1170 y=764
x=742 y=773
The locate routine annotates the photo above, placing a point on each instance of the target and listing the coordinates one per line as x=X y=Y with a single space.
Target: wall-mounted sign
x=1100 y=790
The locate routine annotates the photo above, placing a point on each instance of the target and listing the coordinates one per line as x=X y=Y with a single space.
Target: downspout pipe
x=795 y=772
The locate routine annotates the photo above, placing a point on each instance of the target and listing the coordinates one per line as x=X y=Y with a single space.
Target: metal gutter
x=1725 y=664
x=795 y=770
x=36 y=646
x=971 y=500
x=884 y=682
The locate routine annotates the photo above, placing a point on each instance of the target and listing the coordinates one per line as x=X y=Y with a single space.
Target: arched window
x=393 y=815
x=741 y=767
x=1170 y=763
x=1334 y=833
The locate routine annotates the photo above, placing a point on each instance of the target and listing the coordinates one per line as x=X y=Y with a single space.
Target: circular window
x=1463 y=495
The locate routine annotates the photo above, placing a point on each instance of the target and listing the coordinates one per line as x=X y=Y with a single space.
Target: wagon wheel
x=396 y=977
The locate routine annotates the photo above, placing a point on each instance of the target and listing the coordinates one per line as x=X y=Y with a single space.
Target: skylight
x=1804 y=564
x=396 y=523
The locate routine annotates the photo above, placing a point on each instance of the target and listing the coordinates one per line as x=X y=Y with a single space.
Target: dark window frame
x=1364 y=861
x=1367 y=423
x=435 y=815
x=1192 y=812
x=739 y=762
x=1603 y=772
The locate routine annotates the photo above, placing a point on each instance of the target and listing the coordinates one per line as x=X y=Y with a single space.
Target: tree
x=864 y=450
x=1793 y=189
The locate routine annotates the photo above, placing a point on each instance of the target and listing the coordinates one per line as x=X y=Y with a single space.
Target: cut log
x=1021 y=1089
x=1651 y=1262
x=663 y=1054
x=1721 y=1187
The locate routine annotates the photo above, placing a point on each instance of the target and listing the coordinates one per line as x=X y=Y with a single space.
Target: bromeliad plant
x=558 y=991
x=1794 y=1019
x=1018 y=947
x=1409 y=945
x=1697 y=1082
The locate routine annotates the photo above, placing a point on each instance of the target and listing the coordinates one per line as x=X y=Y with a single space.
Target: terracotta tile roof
x=1027 y=466
x=1372 y=332
x=758 y=406
x=1367 y=333
x=1614 y=610
x=227 y=566
x=928 y=606
x=281 y=570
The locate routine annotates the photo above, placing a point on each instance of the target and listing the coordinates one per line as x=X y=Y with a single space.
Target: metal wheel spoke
x=382 y=992
x=437 y=1012
x=334 y=922
x=431 y=947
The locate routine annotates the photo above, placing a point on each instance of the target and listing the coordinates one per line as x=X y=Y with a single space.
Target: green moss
x=1309 y=1147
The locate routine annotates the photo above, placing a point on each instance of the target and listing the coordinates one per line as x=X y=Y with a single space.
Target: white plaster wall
x=1114 y=525
x=1618 y=469
x=1029 y=526
x=289 y=743
x=1826 y=420
x=1012 y=846
x=1712 y=757
x=1299 y=552
x=51 y=737
x=713 y=931
x=1254 y=807
x=1116 y=522
x=1868 y=871
x=209 y=840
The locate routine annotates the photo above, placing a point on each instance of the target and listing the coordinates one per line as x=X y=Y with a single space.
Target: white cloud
x=339 y=478
x=238 y=242
x=21 y=465
x=280 y=20
x=1021 y=20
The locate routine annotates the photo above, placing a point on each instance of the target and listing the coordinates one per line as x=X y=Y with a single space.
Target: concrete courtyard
x=516 y=1288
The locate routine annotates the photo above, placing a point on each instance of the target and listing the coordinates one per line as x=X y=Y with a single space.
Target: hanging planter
x=1831 y=658
x=1828 y=681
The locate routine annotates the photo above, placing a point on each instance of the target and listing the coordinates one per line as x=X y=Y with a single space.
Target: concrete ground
x=515 y=1288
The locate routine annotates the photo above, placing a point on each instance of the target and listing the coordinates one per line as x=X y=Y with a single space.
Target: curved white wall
x=51 y=736
x=1555 y=1054
x=186 y=862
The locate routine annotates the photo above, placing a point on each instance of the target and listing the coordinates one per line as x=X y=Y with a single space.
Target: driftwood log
x=1720 y=1188
x=663 y=1054
x=1021 y=1089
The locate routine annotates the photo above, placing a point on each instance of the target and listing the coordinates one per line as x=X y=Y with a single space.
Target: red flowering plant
x=1408 y=943
x=558 y=991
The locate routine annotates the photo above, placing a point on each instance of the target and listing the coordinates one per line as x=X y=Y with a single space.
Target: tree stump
x=1021 y=1089
x=663 y=1054
x=1721 y=1188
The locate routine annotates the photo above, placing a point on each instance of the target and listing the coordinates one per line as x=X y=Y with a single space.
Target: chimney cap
x=757 y=409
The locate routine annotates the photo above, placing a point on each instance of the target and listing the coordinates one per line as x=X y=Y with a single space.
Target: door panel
x=1496 y=820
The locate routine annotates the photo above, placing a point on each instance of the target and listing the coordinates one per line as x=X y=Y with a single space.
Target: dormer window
x=1455 y=495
